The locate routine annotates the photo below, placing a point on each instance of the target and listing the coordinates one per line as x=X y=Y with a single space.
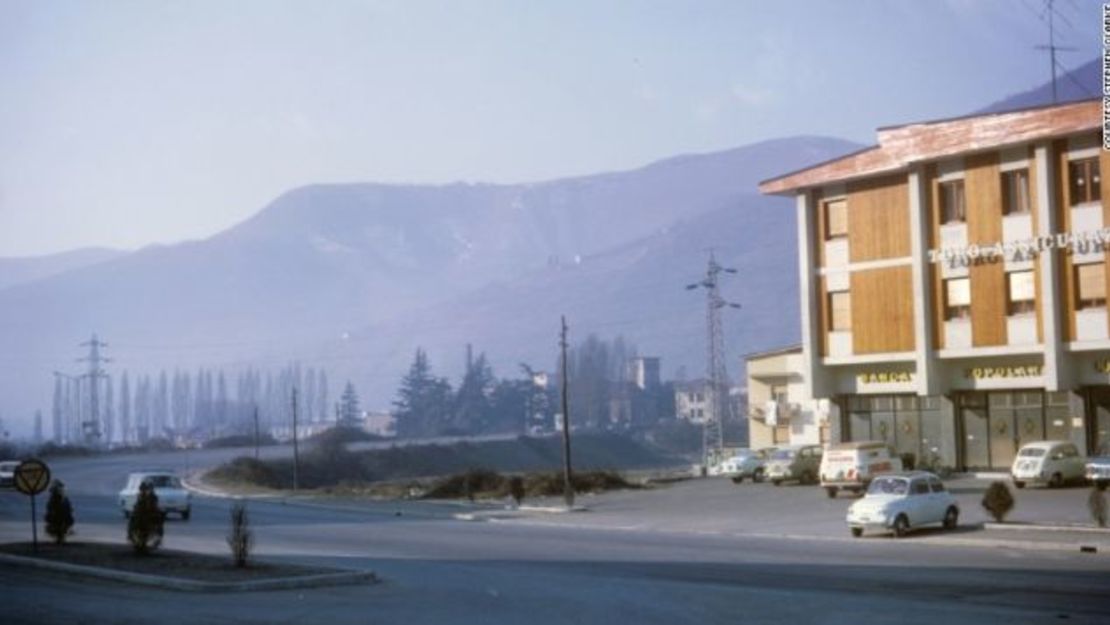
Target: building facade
x=953 y=286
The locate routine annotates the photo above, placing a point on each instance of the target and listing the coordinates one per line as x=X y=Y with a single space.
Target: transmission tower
x=717 y=382
x=92 y=427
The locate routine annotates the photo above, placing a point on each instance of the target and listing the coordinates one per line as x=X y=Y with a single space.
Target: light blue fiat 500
x=899 y=502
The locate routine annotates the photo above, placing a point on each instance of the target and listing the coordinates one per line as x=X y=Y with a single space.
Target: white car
x=7 y=473
x=899 y=502
x=1047 y=462
x=852 y=465
x=747 y=463
x=171 y=493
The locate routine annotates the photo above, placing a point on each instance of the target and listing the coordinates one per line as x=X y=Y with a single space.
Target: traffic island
x=174 y=570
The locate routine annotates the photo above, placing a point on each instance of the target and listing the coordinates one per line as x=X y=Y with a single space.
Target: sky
x=130 y=123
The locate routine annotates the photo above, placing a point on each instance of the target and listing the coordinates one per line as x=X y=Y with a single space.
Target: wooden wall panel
x=818 y=217
x=882 y=310
x=878 y=219
x=1034 y=206
x=932 y=204
x=1059 y=153
x=983 y=189
x=823 y=320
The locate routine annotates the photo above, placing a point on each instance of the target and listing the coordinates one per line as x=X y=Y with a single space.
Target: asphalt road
x=438 y=569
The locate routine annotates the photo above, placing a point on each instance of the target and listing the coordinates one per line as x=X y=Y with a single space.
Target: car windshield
x=1031 y=452
x=888 y=486
x=783 y=454
x=163 y=481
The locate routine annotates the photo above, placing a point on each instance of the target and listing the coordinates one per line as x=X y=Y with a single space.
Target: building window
x=1084 y=181
x=1015 y=192
x=1022 y=294
x=840 y=309
x=957 y=298
x=952 y=206
x=1091 y=281
x=836 y=219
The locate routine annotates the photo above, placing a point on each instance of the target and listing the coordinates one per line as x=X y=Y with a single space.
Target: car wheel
x=1056 y=481
x=807 y=478
x=776 y=482
x=951 y=518
x=901 y=526
x=831 y=492
x=857 y=532
x=758 y=475
x=1019 y=484
x=738 y=479
x=1101 y=484
x=185 y=514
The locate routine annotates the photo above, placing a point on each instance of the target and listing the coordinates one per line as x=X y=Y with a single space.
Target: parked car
x=1098 y=467
x=852 y=465
x=900 y=502
x=747 y=463
x=171 y=493
x=796 y=462
x=1051 y=463
x=7 y=473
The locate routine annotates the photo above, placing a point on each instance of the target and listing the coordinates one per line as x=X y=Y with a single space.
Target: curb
x=189 y=585
x=1048 y=527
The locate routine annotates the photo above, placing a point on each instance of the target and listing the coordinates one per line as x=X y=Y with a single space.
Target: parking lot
x=716 y=505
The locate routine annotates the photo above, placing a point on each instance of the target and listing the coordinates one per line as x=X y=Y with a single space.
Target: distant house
x=380 y=423
x=691 y=401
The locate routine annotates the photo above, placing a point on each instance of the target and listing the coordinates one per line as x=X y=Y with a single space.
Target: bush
x=59 y=513
x=145 y=525
x=1096 y=503
x=998 y=501
x=473 y=483
x=248 y=470
x=240 y=538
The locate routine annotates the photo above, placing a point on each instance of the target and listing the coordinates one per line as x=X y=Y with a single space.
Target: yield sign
x=31 y=477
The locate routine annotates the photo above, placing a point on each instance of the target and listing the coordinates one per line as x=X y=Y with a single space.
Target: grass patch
x=164 y=562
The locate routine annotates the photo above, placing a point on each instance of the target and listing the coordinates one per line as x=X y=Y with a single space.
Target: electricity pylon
x=717 y=383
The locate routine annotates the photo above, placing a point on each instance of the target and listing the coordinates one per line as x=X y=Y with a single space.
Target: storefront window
x=907 y=423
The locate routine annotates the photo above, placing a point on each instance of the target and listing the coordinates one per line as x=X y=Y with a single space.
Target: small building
x=776 y=391
x=692 y=401
x=644 y=372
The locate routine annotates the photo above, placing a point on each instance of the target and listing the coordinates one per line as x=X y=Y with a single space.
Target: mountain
x=1081 y=83
x=20 y=270
x=393 y=266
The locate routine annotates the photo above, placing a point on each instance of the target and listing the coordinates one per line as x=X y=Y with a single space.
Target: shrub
x=998 y=501
x=1096 y=503
x=145 y=525
x=240 y=538
x=59 y=513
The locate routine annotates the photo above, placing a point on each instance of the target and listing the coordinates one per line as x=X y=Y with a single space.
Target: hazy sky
x=129 y=123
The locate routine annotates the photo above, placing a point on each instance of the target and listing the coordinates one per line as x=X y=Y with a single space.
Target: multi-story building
x=953 y=285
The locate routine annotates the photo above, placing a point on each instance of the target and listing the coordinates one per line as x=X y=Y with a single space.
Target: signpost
x=31 y=478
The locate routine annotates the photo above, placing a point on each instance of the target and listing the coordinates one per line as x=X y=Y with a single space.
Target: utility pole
x=256 y=432
x=568 y=482
x=717 y=381
x=296 y=456
x=91 y=428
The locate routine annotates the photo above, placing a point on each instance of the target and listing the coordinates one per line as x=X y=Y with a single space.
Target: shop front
x=994 y=425
x=909 y=424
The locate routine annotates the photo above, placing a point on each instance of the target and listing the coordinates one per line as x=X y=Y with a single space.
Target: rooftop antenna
x=1052 y=47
